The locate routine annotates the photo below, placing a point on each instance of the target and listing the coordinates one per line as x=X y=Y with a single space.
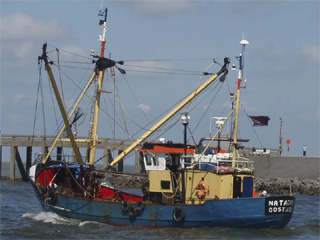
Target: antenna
x=103 y=23
x=243 y=42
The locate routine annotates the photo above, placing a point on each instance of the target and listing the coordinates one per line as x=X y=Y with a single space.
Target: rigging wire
x=43 y=112
x=199 y=83
x=165 y=130
x=37 y=101
x=178 y=71
x=124 y=109
x=163 y=72
x=60 y=70
x=135 y=97
x=251 y=125
x=76 y=84
x=116 y=94
x=71 y=53
x=39 y=91
x=169 y=127
x=106 y=110
x=74 y=62
x=170 y=59
x=169 y=70
x=208 y=106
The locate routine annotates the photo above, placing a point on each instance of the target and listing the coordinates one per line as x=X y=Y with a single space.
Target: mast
x=236 y=123
x=171 y=114
x=103 y=24
x=94 y=127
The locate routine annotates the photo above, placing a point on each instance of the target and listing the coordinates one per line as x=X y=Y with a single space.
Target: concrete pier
x=43 y=142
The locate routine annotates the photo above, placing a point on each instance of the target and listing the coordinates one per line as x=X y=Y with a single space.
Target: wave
x=49 y=217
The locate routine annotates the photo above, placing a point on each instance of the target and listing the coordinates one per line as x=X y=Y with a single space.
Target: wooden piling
x=28 y=158
x=12 y=162
x=20 y=165
x=0 y=162
x=59 y=153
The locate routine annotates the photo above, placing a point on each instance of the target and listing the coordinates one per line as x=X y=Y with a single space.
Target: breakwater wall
x=285 y=174
x=286 y=167
x=288 y=185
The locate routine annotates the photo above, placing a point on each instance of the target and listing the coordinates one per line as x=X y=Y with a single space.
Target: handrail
x=196 y=159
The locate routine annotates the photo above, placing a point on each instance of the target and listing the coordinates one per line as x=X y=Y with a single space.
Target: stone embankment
x=279 y=185
x=273 y=185
x=128 y=181
x=282 y=174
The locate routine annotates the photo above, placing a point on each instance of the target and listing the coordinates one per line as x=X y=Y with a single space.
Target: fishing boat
x=187 y=185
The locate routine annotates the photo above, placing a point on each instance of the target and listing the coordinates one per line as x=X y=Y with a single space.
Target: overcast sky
x=281 y=62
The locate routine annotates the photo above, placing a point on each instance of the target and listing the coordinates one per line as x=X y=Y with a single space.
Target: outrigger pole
x=120 y=157
x=71 y=114
x=60 y=103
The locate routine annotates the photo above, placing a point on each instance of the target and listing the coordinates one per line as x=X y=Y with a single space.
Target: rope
x=76 y=181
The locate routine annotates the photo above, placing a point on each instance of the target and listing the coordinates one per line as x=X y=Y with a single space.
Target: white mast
x=240 y=76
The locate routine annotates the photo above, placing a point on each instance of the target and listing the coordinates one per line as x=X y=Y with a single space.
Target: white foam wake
x=49 y=217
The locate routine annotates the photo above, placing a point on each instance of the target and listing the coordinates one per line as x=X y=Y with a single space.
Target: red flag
x=260 y=120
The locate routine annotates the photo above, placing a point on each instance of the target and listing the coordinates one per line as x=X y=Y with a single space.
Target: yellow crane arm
x=171 y=114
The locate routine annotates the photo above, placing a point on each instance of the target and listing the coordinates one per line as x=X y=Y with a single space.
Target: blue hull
x=237 y=212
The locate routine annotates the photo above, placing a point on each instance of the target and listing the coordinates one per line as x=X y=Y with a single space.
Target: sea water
x=23 y=218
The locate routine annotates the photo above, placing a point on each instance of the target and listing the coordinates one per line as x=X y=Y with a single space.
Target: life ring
x=201 y=191
x=178 y=214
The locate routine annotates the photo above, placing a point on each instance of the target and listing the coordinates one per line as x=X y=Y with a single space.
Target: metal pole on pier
x=280 y=140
